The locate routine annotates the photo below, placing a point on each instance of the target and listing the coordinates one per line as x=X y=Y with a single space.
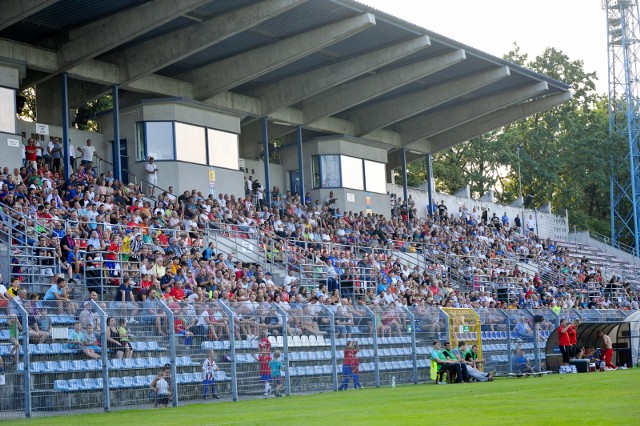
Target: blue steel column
x=428 y=161
x=26 y=372
x=265 y=145
x=300 y=163
x=117 y=171
x=232 y=348
x=65 y=126
x=405 y=191
x=172 y=352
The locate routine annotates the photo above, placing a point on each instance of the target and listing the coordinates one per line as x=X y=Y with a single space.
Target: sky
x=576 y=27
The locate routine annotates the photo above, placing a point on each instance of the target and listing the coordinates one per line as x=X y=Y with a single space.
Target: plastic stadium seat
x=128 y=382
x=4 y=334
x=61 y=386
x=66 y=366
x=75 y=384
x=296 y=341
x=279 y=341
x=154 y=346
x=306 y=340
x=140 y=381
x=165 y=360
x=322 y=341
x=206 y=346
x=221 y=376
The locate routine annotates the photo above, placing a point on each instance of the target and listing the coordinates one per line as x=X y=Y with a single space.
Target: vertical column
x=265 y=145
x=106 y=397
x=117 y=172
x=65 y=126
x=428 y=161
x=405 y=190
x=300 y=163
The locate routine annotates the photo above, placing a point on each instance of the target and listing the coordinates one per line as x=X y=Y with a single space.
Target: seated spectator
x=521 y=363
x=76 y=341
x=449 y=366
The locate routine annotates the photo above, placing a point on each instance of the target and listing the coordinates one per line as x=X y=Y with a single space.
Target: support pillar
x=65 y=125
x=117 y=171
x=265 y=145
x=428 y=160
x=405 y=190
x=300 y=163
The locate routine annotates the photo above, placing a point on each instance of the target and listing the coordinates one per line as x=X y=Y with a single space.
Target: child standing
x=276 y=373
x=208 y=368
x=162 y=390
x=264 y=358
x=15 y=328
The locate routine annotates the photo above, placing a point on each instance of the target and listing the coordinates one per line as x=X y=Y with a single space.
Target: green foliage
x=564 y=153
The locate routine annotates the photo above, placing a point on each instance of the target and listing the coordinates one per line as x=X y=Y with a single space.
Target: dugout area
x=619 y=332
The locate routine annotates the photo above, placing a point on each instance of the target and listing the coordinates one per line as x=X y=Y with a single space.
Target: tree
x=563 y=153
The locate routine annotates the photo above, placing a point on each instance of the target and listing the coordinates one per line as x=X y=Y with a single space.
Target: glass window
x=352 y=176
x=315 y=170
x=7 y=110
x=140 y=156
x=159 y=137
x=330 y=171
x=375 y=176
x=223 y=149
x=190 y=143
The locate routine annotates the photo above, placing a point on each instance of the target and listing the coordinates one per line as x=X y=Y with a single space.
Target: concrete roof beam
x=154 y=54
x=355 y=92
x=16 y=10
x=496 y=120
x=439 y=122
x=386 y=113
x=236 y=70
x=100 y=36
x=297 y=88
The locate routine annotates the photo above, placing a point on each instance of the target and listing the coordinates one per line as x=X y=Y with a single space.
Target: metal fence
x=93 y=356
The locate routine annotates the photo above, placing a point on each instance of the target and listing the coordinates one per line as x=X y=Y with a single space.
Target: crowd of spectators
x=104 y=236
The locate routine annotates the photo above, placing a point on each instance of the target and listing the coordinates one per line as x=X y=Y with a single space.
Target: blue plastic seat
x=140 y=381
x=153 y=346
x=61 y=386
x=127 y=363
x=128 y=382
x=66 y=366
x=75 y=384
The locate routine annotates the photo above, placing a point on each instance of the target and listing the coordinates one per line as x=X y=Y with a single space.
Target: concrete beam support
x=228 y=73
x=16 y=10
x=103 y=35
x=347 y=95
x=154 y=54
x=297 y=88
x=496 y=120
x=392 y=111
x=439 y=122
x=48 y=106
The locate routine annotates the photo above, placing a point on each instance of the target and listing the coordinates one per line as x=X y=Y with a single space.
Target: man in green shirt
x=452 y=367
x=448 y=353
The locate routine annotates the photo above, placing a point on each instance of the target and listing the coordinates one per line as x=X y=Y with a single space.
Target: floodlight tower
x=623 y=44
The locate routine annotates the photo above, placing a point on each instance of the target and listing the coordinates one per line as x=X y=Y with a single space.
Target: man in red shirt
x=563 y=341
x=30 y=153
x=573 y=337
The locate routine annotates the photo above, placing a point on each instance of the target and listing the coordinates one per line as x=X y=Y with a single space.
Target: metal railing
x=115 y=354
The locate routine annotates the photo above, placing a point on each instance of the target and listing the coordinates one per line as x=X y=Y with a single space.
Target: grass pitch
x=584 y=399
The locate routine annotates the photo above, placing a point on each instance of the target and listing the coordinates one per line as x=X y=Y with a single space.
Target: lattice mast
x=623 y=44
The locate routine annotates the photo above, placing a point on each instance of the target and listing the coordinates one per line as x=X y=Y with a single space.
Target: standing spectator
x=162 y=390
x=531 y=224
x=264 y=358
x=573 y=337
x=152 y=176
x=606 y=350
x=72 y=157
x=88 y=151
x=15 y=329
x=209 y=368
x=276 y=373
x=31 y=152
x=56 y=155
x=563 y=341
x=347 y=370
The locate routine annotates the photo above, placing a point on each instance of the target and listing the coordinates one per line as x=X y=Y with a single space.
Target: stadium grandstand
x=180 y=228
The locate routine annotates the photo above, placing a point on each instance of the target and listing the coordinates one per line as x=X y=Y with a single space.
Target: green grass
x=580 y=399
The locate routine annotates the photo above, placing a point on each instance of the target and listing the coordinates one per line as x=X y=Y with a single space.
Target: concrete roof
x=333 y=66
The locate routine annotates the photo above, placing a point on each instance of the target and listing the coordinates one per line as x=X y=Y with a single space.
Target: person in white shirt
x=152 y=175
x=72 y=156
x=209 y=368
x=88 y=151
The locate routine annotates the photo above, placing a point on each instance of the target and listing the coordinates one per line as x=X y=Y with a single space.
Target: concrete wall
x=550 y=225
x=347 y=199
x=182 y=176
